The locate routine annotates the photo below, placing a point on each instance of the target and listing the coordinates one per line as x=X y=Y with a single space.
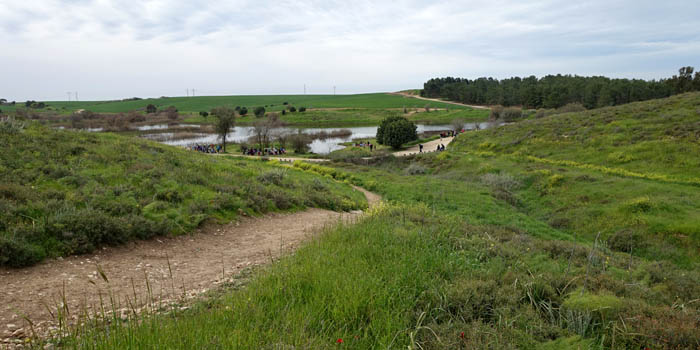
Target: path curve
x=196 y=262
x=438 y=100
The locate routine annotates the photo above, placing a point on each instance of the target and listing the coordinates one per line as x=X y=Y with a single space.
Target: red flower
x=339 y=341
x=461 y=335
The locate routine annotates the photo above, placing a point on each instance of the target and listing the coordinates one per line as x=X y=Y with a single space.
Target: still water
x=318 y=146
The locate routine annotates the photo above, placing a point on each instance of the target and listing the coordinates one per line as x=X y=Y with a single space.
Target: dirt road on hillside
x=438 y=100
x=176 y=268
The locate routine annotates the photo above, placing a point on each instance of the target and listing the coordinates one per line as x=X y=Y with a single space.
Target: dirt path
x=438 y=100
x=198 y=262
x=430 y=146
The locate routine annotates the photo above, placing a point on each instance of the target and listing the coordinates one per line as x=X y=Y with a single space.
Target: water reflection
x=318 y=146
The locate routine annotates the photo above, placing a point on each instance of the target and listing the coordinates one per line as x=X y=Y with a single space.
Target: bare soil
x=175 y=268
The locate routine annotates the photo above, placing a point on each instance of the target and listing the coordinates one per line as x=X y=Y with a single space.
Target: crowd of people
x=211 y=148
x=365 y=144
x=271 y=151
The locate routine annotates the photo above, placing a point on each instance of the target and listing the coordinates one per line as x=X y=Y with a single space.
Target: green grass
x=69 y=192
x=490 y=245
x=273 y=103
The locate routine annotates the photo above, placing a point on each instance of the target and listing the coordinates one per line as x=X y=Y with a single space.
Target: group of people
x=206 y=148
x=440 y=147
x=450 y=133
x=365 y=144
x=271 y=151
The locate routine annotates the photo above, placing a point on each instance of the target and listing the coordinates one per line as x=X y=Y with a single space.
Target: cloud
x=119 y=48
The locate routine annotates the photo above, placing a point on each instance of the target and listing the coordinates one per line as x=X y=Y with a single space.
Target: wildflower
x=461 y=335
x=339 y=341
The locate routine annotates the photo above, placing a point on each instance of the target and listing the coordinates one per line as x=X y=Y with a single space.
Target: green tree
x=243 y=111
x=259 y=111
x=151 y=109
x=204 y=114
x=225 y=121
x=395 y=131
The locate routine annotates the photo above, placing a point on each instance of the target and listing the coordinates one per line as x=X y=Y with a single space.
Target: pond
x=318 y=146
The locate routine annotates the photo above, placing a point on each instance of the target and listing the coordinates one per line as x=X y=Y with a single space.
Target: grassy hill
x=68 y=192
x=516 y=237
x=272 y=103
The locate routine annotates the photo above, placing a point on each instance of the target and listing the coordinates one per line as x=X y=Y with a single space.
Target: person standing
x=420 y=148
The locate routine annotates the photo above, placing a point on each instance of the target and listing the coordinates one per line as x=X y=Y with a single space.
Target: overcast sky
x=110 y=49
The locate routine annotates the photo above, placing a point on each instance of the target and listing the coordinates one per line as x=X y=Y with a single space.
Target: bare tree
x=457 y=124
x=225 y=121
x=262 y=129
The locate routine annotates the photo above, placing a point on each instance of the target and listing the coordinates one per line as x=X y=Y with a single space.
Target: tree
x=300 y=142
x=262 y=129
x=302 y=109
x=243 y=111
x=284 y=112
x=395 y=131
x=151 y=109
x=204 y=114
x=171 y=112
x=225 y=120
x=259 y=111
x=3 y=101
x=457 y=124
x=292 y=109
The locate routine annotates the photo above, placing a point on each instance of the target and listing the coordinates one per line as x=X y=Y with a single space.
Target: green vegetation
x=544 y=234
x=270 y=102
x=362 y=116
x=553 y=91
x=71 y=192
x=395 y=131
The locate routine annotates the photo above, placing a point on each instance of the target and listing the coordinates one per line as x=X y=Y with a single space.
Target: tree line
x=554 y=91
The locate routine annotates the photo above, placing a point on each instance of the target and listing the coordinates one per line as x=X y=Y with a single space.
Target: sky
x=113 y=49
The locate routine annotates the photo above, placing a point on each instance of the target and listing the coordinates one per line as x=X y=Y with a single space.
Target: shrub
x=395 y=131
x=302 y=109
x=171 y=112
x=496 y=112
x=571 y=107
x=243 y=111
x=11 y=125
x=511 y=114
x=14 y=254
x=501 y=181
x=204 y=114
x=151 y=109
x=415 y=169
x=259 y=112
x=292 y=109
x=300 y=142
x=274 y=177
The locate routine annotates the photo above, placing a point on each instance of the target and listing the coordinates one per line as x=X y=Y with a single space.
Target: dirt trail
x=430 y=146
x=198 y=262
x=438 y=100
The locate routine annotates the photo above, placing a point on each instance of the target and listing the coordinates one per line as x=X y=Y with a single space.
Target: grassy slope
x=483 y=249
x=274 y=102
x=67 y=192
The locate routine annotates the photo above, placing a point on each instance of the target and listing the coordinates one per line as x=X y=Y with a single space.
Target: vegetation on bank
x=361 y=117
x=68 y=192
x=554 y=91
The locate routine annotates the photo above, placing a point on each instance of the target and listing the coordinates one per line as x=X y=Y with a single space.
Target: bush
x=151 y=109
x=292 y=109
x=395 y=131
x=259 y=112
x=502 y=181
x=14 y=254
x=204 y=114
x=415 y=169
x=496 y=112
x=511 y=114
x=274 y=177
x=302 y=109
x=243 y=111
x=300 y=142
x=171 y=112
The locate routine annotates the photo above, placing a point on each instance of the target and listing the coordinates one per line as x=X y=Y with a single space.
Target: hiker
x=370 y=147
x=420 y=148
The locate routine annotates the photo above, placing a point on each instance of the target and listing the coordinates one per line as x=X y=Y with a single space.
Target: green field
x=68 y=192
x=272 y=103
x=573 y=231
